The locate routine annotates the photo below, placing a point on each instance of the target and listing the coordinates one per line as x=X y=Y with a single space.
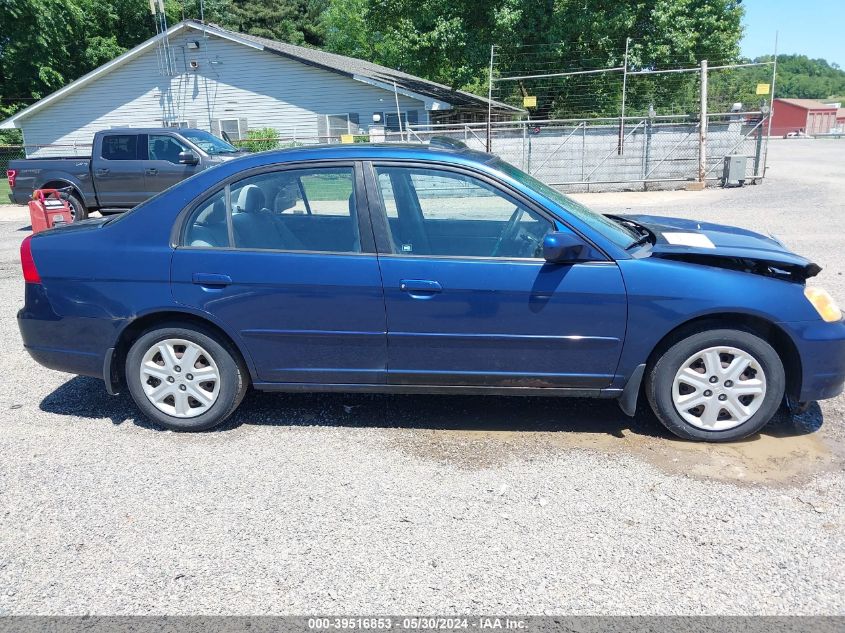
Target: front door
x=469 y=299
x=285 y=261
x=162 y=168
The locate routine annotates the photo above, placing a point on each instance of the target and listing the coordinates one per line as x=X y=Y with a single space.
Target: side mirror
x=188 y=158
x=561 y=247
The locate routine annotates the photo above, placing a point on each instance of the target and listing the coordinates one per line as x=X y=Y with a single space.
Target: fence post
x=647 y=148
x=758 y=148
x=771 y=105
x=621 y=148
x=702 y=128
x=490 y=103
x=583 y=148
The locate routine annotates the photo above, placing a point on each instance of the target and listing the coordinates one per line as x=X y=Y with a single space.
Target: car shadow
x=86 y=397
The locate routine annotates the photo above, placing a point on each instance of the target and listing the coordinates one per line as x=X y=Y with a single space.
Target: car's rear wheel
x=718 y=385
x=77 y=208
x=184 y=377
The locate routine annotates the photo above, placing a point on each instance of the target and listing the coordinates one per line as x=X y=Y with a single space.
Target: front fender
x=665 y=294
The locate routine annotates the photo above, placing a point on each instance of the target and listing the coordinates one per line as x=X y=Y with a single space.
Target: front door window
x=442 y=213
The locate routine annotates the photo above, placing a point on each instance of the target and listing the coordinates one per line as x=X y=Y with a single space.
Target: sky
x=815 y=28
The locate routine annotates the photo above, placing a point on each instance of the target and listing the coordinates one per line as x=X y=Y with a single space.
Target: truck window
x=165 y=147
x=120 y=147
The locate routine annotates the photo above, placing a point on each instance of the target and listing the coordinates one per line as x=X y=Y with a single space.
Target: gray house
x=199 y=75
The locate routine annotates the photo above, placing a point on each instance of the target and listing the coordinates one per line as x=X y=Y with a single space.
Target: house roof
x=808 y=104
x=359 y=68
x=436 y=96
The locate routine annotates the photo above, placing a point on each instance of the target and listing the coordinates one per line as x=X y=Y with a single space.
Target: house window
x=391 y=120
x=234 y=129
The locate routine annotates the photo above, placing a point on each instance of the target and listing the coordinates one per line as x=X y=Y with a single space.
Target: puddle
x=790 y=450
x=486 y=432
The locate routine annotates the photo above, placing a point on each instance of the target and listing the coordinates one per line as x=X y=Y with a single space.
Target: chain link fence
x=587 y=126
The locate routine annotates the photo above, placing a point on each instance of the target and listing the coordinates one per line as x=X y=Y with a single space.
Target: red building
x=840 y=118
x=802 y=115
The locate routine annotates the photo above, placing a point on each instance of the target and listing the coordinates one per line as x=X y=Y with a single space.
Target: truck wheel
x=77 y=209
x=716 y=386
x=184 y=378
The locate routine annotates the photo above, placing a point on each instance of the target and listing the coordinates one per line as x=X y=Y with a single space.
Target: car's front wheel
x=184 y=377
x=718 y=385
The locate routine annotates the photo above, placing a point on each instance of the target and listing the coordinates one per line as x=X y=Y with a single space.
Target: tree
x=292 y=21
x=798 y=77
x=449 y=41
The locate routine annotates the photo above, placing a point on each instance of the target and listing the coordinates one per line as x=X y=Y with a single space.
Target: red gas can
x=48 y=209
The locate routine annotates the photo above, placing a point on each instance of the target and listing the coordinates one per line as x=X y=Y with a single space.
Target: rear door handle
x=102 y=171
x=152 y=171
x=420 y=287
x=211 y=279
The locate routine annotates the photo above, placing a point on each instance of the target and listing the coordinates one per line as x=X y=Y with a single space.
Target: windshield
x=208 y=143
x=618 y=233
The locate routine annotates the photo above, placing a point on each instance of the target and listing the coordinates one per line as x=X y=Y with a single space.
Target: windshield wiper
x=640 y=241
x=637 y=229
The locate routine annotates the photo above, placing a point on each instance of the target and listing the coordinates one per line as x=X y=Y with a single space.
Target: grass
x=327 y=187
x=4 y=191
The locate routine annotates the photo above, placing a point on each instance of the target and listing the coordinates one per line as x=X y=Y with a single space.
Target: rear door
x=285 y=260
x=119 y=170
x=162 y=168
x=471 y=302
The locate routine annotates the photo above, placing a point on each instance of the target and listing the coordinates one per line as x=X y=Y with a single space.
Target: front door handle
x=211 y=280
x=103 y=171
x=152 y=171
x=420 y=288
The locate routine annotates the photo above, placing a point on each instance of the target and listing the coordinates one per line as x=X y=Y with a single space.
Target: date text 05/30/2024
x=416 y=623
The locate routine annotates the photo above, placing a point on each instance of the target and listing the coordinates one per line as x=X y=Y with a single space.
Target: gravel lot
x=387 y=504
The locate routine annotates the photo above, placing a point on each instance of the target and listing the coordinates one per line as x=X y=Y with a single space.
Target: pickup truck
x=127 y=166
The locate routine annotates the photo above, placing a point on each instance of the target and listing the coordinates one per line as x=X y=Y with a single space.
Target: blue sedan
x=425 y=269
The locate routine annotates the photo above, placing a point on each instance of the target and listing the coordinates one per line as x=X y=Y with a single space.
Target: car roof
x=147 y=130
x=341 y=151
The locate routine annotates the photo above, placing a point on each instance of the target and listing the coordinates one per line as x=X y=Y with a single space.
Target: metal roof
x=359 y=68
x=809 y=104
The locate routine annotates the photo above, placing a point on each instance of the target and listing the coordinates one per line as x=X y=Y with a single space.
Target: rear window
x=120 y=147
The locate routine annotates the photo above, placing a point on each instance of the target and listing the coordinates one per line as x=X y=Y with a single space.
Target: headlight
x=823 y=303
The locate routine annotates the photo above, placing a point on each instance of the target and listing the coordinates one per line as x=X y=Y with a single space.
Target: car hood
x=223 y=158
x=726 y=246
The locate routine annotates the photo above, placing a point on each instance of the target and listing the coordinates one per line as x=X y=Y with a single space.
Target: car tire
x=78 y=210
x=182 y=397
x=697 y=391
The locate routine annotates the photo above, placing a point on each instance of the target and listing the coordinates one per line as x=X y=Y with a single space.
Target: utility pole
x=490 y=102
x=702 y=128
x=621 y=144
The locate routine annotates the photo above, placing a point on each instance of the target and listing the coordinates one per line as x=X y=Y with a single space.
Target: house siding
x=232 y=81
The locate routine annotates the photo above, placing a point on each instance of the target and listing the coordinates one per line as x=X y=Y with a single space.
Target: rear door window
x=120 y=147
x=286 y=210
x=297 y=210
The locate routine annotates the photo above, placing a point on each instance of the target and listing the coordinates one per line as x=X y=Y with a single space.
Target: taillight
x=12 y=175
x=30 y=272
